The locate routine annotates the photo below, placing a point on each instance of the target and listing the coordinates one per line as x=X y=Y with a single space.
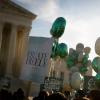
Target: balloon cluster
x=78 y=63
x=96 y=63
x=57 y=29
x=78 y=60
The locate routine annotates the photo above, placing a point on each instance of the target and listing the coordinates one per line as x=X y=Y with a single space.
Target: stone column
x=25 y=41
x=12 y=48
x=24 y=54
x=24 y=46
x=1 y=30
x=21 y=50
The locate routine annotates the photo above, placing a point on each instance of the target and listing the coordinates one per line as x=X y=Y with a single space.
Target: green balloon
x=72 y=58
x=97 y=77
x=96 y=64
x=62 y=50
x=73 y=55
x=53 y=54
x=54 y=50
x=83 y=69
x=58 y=27
x=70 y=63
x=85 y=59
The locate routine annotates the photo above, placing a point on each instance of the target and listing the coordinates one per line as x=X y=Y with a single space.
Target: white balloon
x=87 y=50
x=97 y=46
x=76 y=80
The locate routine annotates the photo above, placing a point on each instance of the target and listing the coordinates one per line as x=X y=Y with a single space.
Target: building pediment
x=9 y=6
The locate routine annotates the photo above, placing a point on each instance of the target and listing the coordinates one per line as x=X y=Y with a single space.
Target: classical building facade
x=15 y=25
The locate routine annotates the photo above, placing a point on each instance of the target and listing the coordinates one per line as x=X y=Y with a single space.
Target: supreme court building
x=15 y=25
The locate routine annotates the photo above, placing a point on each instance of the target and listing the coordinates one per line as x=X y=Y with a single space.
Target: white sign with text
x=35 y=67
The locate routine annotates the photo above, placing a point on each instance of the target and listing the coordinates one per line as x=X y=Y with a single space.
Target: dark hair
x=80 y=93
x=94 y=94
x=57 y=96
x=43 y=95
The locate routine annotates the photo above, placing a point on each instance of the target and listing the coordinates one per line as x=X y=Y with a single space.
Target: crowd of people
x=7 y=95
x=79 y=95
x=45 y=95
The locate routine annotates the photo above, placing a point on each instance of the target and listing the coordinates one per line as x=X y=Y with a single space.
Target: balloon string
x=51 y=67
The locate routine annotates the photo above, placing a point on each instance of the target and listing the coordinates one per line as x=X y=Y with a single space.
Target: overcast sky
x=82 y=17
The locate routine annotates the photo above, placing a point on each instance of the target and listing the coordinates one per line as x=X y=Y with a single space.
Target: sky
x=82 y=20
